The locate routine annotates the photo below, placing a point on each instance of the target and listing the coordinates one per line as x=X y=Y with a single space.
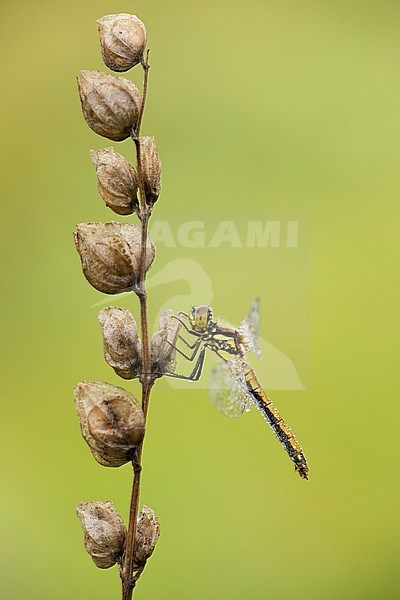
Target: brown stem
x=146 y=67
x=128 y=580
x=127 y=572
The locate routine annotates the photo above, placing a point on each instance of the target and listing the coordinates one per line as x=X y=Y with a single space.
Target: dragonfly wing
x=249 y=327
x=228 y=390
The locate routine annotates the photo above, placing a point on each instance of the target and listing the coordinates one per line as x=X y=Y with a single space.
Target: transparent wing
x=249 y=328
x=228 y=390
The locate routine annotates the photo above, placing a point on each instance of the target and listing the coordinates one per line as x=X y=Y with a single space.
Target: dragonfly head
x=200 y=316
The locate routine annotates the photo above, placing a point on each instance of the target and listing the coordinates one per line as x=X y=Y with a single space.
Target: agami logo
x=199 y=234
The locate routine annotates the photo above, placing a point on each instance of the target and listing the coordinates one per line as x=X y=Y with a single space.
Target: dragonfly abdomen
x=271 y=414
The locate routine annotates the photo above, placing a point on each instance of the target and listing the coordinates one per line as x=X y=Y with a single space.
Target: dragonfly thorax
x=200 y=317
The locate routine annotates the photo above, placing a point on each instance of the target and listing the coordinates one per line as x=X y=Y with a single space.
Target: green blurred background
x=259 y=108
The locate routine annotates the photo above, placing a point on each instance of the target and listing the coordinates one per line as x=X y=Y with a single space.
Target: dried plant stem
x=146 y=66
x=128 y=580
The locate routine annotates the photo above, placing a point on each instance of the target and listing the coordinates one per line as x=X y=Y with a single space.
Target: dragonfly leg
x=186 y=327
x=196 y=347
x=191 y=346
x=195 y=374
x=199 y=365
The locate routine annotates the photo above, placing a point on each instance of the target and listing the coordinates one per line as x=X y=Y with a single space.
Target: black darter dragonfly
x=234 y=386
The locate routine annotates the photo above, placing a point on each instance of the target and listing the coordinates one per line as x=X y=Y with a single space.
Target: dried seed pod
x=104 y=532
x=123 y=39
x=122 y=348
x=147 y=534
x=116 y=179
x=111 y=255
x=110 y=104
x=151 y=168
x=112 y=422
x=162 y=351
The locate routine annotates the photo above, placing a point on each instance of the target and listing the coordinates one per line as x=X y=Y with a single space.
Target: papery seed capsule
x=117 y=180
x=111 y=255
x=104 y=532
x=151 y=168
x=112 y=422
x=122 y=347
x=162 y=351
x=123 y=39
x=147 y=534
x=110 y=104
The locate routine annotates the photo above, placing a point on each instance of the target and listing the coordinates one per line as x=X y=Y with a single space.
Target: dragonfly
x=234 y=386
